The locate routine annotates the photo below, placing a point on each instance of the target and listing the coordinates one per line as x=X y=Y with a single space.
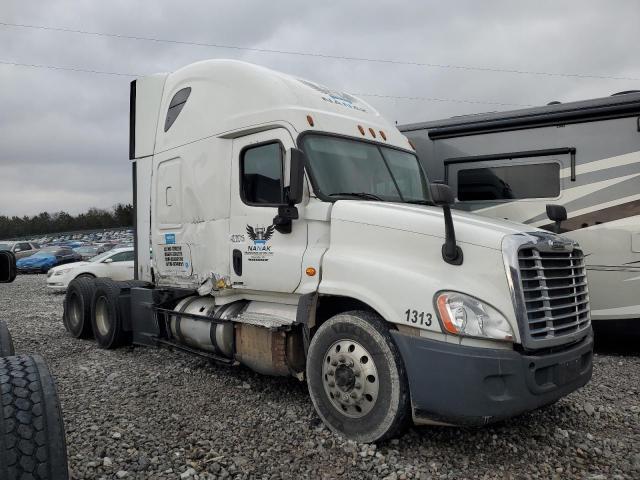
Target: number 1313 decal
x=421 y=318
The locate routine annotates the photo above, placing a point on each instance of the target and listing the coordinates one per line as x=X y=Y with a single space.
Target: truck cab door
x=263 y=259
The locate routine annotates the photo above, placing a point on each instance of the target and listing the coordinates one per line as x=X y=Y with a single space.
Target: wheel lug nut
x=334 y=363
x=331 y=373
x=358 y=386
x=332 y=384
x=354 y=394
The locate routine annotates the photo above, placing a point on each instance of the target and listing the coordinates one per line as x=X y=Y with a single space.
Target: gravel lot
x=147 y=413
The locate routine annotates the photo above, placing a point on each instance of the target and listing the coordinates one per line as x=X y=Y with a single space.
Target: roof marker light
x=310 y=120
x=372 y=132
x=383 y=135
x=361 y=129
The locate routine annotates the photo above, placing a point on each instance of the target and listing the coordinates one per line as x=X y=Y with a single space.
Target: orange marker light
x=444 y=314
x=383 y=135
x=372 y=132
x=310 y=120
x=361 y=129
x=310 y=271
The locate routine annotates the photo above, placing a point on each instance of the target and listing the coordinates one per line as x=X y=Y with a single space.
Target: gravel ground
x=152 y=413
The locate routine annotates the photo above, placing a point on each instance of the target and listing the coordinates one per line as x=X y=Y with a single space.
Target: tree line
x=121 y=215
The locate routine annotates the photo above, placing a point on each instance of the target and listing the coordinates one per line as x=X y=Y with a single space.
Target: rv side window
x=261 y=175
x=175 y=106
x=509 y=182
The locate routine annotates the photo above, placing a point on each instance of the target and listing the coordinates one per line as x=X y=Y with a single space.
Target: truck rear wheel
x=32 y=443
x=6 y=342
x=77 y=307
x=105 y=315
x=357 y=379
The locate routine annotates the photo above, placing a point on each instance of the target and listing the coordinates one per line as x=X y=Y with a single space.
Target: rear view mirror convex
x=7 y=267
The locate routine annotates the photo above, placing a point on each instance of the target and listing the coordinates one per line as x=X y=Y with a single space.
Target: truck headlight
x=466 y=316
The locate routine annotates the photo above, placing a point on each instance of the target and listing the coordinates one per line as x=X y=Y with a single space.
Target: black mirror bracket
x=284 y=220
x=451 y=253
x=557 y=214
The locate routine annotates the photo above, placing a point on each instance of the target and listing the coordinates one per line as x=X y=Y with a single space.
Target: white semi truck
x=291 y=229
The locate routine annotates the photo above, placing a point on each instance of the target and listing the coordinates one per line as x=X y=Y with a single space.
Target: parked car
x=47 y=258
x=87 y=251
x=116 y=264
x=105 y=247
x=20 y=249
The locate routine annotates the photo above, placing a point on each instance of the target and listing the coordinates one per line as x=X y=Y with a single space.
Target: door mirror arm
x=442 y=195
x=288 y=212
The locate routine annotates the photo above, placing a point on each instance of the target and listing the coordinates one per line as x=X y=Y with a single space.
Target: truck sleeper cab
x=289 y=228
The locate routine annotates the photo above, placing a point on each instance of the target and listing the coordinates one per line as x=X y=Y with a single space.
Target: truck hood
x=427 y=220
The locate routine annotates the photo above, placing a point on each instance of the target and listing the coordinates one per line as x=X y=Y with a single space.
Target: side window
x=512 y=182
x=261 y=175
x=123 y=257
x=24 y=246
x=175 y=106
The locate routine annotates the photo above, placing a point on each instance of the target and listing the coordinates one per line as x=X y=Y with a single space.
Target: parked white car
x=116 y=264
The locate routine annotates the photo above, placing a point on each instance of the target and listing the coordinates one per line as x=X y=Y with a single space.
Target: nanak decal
x=337 y=98
x=259 y=250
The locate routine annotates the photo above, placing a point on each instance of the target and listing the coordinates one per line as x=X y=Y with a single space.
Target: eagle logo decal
x=260 y=235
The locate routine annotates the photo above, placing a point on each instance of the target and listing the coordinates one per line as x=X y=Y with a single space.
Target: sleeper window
x=175 y=106
x=261 y=172
x=509 y=182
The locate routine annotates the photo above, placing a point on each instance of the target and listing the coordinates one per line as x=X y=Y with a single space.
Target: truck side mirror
x=442 y=195
x=557 y=214
x=7 y=267
x=289 y=212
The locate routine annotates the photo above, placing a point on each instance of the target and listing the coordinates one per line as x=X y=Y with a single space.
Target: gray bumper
x=472 y=386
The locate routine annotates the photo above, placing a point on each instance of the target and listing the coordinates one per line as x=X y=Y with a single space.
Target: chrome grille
x=554 y=287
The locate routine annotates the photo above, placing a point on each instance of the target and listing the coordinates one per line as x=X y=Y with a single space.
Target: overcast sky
x=64 y=135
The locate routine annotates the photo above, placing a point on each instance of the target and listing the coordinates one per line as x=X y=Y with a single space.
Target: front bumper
x=32 y=269
x=56 y=284
x=462 y=385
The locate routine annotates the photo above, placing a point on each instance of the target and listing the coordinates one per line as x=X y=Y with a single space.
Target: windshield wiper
x=420 y=202
x=368 y=196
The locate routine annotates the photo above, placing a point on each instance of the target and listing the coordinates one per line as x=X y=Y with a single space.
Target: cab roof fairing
x=230 y=95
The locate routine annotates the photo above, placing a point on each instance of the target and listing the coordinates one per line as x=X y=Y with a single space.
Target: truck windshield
x=343 y=168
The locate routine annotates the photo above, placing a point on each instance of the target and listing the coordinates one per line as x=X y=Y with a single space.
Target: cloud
x=64 y=135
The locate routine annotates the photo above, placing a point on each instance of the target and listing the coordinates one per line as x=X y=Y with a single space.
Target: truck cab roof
x=174 y=109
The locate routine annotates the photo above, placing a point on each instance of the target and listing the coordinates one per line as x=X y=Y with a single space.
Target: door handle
x=237 y=262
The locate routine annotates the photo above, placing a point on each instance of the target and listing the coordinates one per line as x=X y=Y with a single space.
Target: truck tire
x=6 y=342
x=356 y=378
x=77 y=307
x=106 y=317
x=32 y=442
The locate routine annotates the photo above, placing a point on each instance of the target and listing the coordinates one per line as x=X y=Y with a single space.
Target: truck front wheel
x=357 y=379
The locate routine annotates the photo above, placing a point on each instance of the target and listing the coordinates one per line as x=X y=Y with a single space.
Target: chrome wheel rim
x=102 y=316
x=350 y=378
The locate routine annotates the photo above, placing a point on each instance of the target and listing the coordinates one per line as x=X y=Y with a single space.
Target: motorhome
x=583 y=155
x=290 y=228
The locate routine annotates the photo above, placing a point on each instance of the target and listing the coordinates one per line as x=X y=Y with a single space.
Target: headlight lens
x=469 y=317
x=60 y=272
